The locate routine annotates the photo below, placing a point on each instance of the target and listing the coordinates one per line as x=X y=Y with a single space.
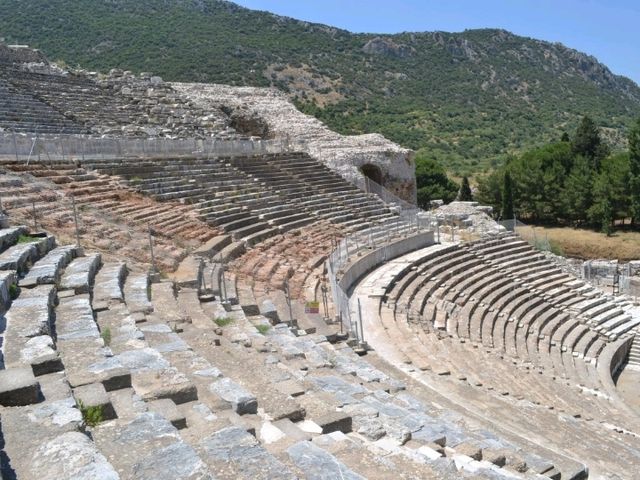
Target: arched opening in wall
x=372 y=172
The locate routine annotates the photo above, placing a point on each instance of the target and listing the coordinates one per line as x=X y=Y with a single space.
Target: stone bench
x=108 y=285
x=80 y=273
x=9 y=236
x=48 y=269
x=149 y=446
x=29 y=319
x=136 y=293
x=237 y=452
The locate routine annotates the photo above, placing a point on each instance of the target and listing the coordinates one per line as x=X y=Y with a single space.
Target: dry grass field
x=586 y=244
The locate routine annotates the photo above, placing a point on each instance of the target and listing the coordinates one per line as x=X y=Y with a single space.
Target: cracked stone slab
x=240 y=399
x=149 y=448
x=48 y=269
x=233 y=453
x=318 y=464
x=108 y=284
x=79 y=274
x=74 y=319
x=154 y=378
x=71 y=455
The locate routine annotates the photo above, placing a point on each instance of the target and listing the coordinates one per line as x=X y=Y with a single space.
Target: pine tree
x=507 y=197
x=634 y=170
x=465 y=194
x=577 y=195
x=587 y=142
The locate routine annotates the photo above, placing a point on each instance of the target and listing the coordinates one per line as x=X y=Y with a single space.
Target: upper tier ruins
x=39 y=97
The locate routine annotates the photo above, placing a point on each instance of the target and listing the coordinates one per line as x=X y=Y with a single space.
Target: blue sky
x=608 y=30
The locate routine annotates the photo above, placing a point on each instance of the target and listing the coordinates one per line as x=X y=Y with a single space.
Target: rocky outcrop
x=386 y=46
x=344 y=154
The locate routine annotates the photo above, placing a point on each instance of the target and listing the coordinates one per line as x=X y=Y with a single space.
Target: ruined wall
x=20 y=54
x=345 y=154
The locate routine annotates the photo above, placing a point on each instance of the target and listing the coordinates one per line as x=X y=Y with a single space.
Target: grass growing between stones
x=263 y=329
x=27 y=239
x=106 y=336
x=91 y=416
x=223 y=321
x=13 y=291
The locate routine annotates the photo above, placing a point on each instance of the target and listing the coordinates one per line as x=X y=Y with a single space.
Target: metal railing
x=410 y=221
x=51 y=147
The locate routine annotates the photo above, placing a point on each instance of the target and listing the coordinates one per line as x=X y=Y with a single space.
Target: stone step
x=80 y=273
x=49 y=268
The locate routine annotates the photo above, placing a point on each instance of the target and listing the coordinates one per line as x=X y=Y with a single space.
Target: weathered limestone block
x=74 y=319
x=318 y=464
x=137 y=293
x=149 y=448
x=40 y=353
x=334 y=422
x=240 y=399
x=80 y=273
x=18 y=257
x=18 y=386
x=49 y=268
x=167 y=408
x=108 y=285
x=235 y=453
x=71 y=455
x=94 y=395
x=154 y=378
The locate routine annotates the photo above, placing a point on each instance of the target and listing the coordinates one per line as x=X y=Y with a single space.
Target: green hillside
x=468 y=98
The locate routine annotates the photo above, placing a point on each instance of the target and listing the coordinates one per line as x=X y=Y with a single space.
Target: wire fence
x=34 y=147
x=608 y=275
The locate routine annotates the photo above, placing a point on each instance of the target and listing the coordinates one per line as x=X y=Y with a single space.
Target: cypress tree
x=507 y=197
x=465 y=194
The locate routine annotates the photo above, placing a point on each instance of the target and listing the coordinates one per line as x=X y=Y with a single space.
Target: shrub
x=223 y=321
x=262 y=328
x=13 y=291
x=91 y=416
x=106 y=336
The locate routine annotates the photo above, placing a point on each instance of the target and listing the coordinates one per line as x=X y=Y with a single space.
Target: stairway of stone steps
x=634 y=353
x=247 y=198
x=191 y=395
x=291 y=256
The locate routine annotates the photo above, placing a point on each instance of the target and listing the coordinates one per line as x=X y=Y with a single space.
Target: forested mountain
x=468 y=98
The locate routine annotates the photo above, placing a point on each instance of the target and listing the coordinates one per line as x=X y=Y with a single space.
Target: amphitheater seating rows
x=108 y=211
x=75 y=103
x=455 y=289
x=483 y=378
x=254 y=198
x=83 y=336
x=20 y=111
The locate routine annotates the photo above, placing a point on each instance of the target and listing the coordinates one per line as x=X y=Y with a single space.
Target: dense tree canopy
x=576 y=181
x=432 y=182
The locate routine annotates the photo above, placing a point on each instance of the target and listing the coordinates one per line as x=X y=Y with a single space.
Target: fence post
x=15 y=145
x=153 y=259
x=75 y=219
x=360 y=320
x=35 y=220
